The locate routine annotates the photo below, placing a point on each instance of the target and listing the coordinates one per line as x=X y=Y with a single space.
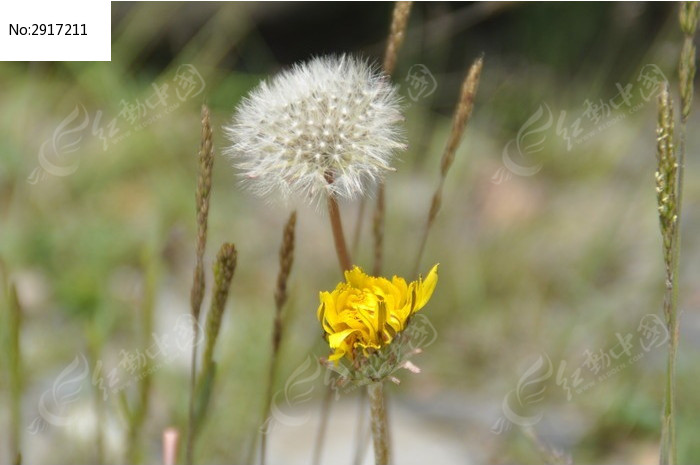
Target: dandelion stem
x=338 y=237
x=379 y=423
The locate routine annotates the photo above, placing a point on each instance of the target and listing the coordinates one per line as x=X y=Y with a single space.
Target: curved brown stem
x=338 y=237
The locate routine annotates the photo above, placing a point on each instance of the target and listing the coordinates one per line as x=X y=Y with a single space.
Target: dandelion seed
x=328 y=126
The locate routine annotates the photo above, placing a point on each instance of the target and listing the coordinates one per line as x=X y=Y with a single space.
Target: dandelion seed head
x=330 y=126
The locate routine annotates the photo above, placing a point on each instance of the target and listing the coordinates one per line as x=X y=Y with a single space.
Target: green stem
x=95 y=348
x=668 y=430
x=15 y=374
x=266 y=408
x=189 y=451
x=380 y=429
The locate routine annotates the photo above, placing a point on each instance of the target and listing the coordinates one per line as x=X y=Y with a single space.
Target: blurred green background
x=97 y=176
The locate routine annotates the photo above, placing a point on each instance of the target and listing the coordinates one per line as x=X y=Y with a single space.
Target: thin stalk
x=380 y=431
x=360 y=430
x=667 y=177
x=668 y=430
x=358 y=226
x=15 y=325
x=266 y=409
x=286 y=259
x=94 y=349
x=341 y=248
x=202 y=194
x=672 y=288
x=138 y=416
x=378 y=230
x=462 y=114
x=189 y=451
x=688 y=19
x=323 y=425
x=397 y=35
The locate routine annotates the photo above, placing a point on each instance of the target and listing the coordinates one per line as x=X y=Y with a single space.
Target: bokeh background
x=548 y=238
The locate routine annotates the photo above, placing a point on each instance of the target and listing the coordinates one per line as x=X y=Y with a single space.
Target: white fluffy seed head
x=329 y=126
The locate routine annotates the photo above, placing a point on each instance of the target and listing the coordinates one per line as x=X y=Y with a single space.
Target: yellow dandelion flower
x=367 y=312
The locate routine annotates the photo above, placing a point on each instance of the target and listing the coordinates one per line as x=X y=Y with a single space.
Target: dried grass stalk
x=286 y=258
x=669 y=191
x=202 y=194
x=224 y=268
x=462 y=113
x=667 y=175
x=688 y=19
x=397 y=34
x=138 y=415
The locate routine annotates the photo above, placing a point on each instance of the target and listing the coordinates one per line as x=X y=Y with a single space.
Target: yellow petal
x=327 y=312
x=401 y=289
x=334 y=340
x=366 y=312
x=337 y=355
x=356 y=278
x=321 y=308
x=424 y=289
